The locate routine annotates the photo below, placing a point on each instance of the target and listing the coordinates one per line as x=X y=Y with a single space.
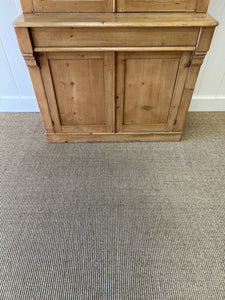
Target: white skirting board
x=30 y=104
x=23 y=104
x=207 y=104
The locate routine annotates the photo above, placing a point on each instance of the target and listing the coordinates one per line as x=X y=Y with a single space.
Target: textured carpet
x=112 y=220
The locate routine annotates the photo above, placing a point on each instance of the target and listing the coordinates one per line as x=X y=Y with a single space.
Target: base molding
x=199 y=104
x=114 y=137
x=18 y=104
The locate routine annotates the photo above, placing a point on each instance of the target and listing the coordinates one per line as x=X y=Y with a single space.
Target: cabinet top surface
x=115 y=20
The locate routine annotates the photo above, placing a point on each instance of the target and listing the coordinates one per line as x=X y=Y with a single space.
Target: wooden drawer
x=114 y=37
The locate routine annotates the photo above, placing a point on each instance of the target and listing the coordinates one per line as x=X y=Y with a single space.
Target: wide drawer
x=114 y=37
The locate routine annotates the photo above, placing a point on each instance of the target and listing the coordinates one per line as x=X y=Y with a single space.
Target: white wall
x=209 y=92
x=16 y=92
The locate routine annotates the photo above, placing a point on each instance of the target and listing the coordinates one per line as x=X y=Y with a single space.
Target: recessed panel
x=79 y=90
x=73 y=5
x=156 y=5
x=149 y=86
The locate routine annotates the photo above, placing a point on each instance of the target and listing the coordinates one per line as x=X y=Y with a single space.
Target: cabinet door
x=72 y=5
x=79 y=88
x=149 y=90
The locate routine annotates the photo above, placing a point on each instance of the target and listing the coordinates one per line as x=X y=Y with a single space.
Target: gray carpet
x=112 y=220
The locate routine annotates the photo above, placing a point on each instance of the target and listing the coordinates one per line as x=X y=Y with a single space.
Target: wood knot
x=146 y=107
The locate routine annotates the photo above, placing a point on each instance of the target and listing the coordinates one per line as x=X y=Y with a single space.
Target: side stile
x=27 y=6
x=25 y=44
x=201 y=50
x=202 y=6
x=188 y=90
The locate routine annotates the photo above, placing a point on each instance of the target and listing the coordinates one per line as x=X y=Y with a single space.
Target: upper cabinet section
x=162 y=5
x=30 y=6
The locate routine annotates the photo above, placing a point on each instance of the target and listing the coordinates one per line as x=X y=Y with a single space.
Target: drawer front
x=114 y=37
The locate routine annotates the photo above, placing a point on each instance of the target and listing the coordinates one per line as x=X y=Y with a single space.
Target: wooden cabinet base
x=147 y=137
x=114 y=77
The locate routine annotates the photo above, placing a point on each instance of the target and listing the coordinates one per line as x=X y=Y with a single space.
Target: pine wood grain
x=73 y=6
x=27 y=6
x=79 y=87
x=43 y=104
x=48 y=84
x=24 y=40
x=103 y=37
x=155 y=5
x=115 y=20
x=202 y=5
x=205 y=39
x=131 y=137
x=149 y=90
x=115 y=49
x=188 y=90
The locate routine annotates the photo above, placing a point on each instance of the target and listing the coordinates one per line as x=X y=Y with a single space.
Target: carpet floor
x=120 y=221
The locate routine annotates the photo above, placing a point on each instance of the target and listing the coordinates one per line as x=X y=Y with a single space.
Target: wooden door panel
x=138 y=109
x=73 y=5
x=149 y=88
x=80 y=90
x=155 y=5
